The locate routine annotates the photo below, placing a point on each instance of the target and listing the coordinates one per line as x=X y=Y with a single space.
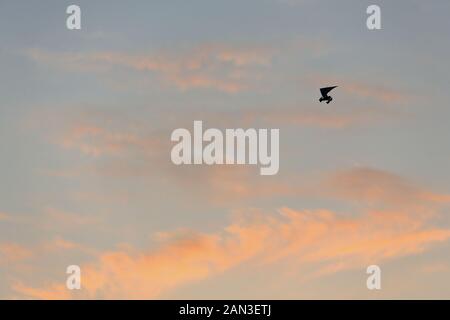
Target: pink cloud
x=54 y=292
x=212 y=66
x=396 y=219
x=365 y=89
x=13 y=252
x=320 y=238
x=374 y=186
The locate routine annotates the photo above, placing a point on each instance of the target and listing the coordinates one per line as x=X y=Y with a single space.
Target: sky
x=86 y=176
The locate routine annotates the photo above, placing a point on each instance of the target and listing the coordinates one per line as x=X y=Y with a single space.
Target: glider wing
x=324 y=91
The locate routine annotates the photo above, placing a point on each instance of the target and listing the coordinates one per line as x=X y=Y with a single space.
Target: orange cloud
x=364 y=89
x=54 y=292
x=314 y=117
x=373 y=186
x=224 y=183
x=12 y=252
x=4 y=216
x=220 y=67
x=375 y=91
x=435 y=267
x=326 y=240
x=96 y=141
x=62 y=218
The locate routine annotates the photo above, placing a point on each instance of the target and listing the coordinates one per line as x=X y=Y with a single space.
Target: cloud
x=326 y=240
x=229 y=185
x=125 y=146
x=4 y=216
x=55 y=219
x=364 y=89
x=396 y=218
x=378 y=92
x=363 y=186
x=61 y=218
x=12 y=218
x=59 y=244
x=54 y=292
x=97 y=141
x=316 y=118
x=208 y=66
x=435 y=268
x=374 y=186
x=135 y=152
x=13 y=252
x=112 y=150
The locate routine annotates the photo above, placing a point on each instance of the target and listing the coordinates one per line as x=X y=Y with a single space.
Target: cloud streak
x=319 y=238
x=364 y=89
x=212 y=66
x=325 y=241
x=13 y=253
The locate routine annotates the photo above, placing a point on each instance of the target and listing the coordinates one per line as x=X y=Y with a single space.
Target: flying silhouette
x=325 y=96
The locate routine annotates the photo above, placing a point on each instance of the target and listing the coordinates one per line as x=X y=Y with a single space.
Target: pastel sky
x=86 y=175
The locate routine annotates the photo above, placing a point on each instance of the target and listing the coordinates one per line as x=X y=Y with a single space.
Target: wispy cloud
x=57 y=217
x=13 y=252
x=212 y=66
x=374 y=186
x=96 y=141
x=322 y=240
x=367 y=89
x=317 y=237
x=54 y=292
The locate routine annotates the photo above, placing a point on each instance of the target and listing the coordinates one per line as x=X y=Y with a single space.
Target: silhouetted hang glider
x=325 y=96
